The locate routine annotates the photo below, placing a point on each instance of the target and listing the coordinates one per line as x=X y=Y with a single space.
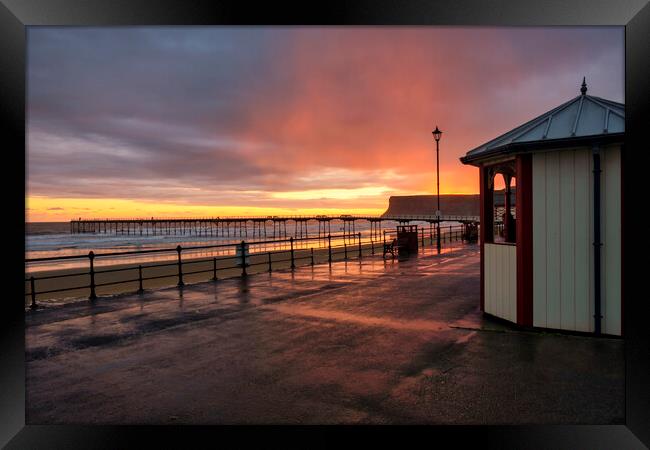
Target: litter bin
x=407 y=239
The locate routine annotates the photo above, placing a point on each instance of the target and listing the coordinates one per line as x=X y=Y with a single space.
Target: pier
x=262 y=227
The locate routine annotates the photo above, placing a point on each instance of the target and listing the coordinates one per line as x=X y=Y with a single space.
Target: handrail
x=355 y=246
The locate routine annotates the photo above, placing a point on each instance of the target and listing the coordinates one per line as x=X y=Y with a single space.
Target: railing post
x=243 y=259
x=214 y=269
x=422 y=232
x=32 y=284
x=345 y=249
x=91 y=257
x=140 y=289
x=270 y=263
x=359 y=237
x=179 y=249
x=372 y=246
x=293 y=262
x=329 y=249
x=312 y=255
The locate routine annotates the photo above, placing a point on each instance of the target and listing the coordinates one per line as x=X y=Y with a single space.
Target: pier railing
x=240 y=224
x=242 y=261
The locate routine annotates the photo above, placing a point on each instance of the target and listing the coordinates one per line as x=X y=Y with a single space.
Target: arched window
x=502 y=187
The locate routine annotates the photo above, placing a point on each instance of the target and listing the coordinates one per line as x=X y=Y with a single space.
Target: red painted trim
x=524 y=225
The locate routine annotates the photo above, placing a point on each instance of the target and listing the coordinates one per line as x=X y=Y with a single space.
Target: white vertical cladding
x=582 y=225
x=539 y=240
x=501 y=281
x=567 y=246
x=563 y=254
x=553 y=215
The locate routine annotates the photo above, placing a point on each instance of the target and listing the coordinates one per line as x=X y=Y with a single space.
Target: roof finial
x=583 y=89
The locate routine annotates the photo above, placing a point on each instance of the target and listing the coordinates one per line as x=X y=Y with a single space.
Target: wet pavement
x=360 y=342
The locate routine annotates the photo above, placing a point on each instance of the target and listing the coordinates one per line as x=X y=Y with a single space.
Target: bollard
x=214 y=269
x=140 y=289
x=312 y=255
x=91 y=257
x=180 y=266
x=359 y=237
x=329 y=249
x=293 y=263
x=270 y=263
x=32 y=284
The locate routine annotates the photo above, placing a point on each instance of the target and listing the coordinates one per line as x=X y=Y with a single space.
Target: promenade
x=363 y=341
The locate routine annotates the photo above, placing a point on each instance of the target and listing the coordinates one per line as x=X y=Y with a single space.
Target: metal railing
x=353 y=245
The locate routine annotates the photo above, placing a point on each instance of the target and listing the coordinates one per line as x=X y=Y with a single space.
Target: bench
x=391 y=248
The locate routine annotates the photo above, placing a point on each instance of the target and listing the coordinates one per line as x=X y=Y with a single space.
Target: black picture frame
x=16 y=15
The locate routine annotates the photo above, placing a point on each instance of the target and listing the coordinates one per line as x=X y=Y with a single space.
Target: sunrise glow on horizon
x=243 y=121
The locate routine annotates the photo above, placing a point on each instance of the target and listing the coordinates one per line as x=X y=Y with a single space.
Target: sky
x=216 y=121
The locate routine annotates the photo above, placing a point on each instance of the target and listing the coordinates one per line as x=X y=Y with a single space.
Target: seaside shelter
x=553 y=258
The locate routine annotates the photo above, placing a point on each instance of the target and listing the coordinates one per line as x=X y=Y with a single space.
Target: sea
x=54 y=239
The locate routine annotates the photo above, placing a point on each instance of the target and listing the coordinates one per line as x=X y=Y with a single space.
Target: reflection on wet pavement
x=368 y=341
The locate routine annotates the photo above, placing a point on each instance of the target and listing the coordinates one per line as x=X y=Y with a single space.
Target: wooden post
x=359 y=237
x=293 y=263
x=312 y=255
x=270 y=263
x=214 y=269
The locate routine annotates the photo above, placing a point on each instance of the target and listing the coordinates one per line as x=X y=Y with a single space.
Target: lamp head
x=437 y=133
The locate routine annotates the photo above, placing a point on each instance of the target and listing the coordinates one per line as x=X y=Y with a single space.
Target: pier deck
x=362 y=342
x=241 y=226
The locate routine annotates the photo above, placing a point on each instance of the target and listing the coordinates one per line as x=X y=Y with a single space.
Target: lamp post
x=436 y=135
